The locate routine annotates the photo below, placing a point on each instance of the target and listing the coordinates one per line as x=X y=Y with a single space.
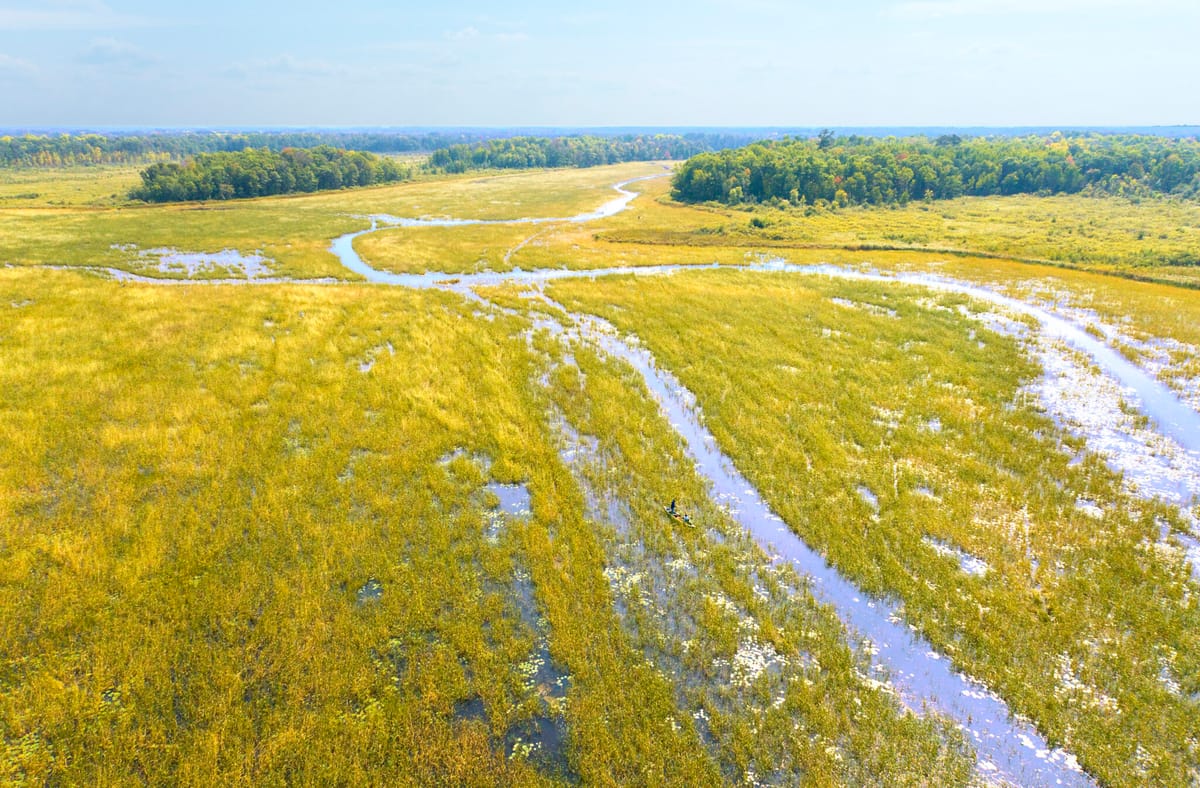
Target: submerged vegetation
x=257 y=536
x=821 y=391
x=232 y=548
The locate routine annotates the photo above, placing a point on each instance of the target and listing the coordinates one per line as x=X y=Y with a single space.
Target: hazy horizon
x=708 y=63
x=1177 y=129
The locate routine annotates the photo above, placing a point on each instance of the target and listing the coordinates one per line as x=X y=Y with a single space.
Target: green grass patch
x=71 y=186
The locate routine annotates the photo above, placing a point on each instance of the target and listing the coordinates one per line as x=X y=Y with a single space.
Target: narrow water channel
x=1171 y=416
x=1007 y=748
x=924 y=680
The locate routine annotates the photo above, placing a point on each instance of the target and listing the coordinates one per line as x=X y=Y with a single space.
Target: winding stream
x=343 y=246
x=1007 y=748
x=923 y=679
x=1172 y=418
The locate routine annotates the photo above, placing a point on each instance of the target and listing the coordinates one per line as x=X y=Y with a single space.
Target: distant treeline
x=575 y=151
x=74 y=149
x=262 y=172
x=869 y=171
x=259 y=172
x=64 y=150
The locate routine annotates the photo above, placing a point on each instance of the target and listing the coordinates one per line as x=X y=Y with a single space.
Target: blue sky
x=702 y=62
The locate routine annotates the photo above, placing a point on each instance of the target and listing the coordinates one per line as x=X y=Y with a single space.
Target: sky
x=226 y=63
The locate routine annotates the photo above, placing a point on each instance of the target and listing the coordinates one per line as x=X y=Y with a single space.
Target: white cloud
x=111 y=52
x=15 y=65
x=936 y=9
x=65 y=15
x=288 y=65
x=756 y=6
x=467 y=34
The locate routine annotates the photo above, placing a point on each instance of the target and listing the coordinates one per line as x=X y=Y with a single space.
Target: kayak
x=677 y=516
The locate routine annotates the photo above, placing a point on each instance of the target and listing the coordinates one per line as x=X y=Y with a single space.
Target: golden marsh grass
x=239 y=546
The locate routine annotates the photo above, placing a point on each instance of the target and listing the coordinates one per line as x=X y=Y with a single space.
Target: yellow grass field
x=347 y=533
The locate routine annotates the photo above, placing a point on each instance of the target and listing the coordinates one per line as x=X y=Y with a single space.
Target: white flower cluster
x=1090 y=405
x=887 y=418
x=725 y=603
x=680 y=565
x=874 y=309
x=621 y=580
x=1166 y=674
x=970 y=564
x=1069 y=683
x=1168 y=359
x=752 y=660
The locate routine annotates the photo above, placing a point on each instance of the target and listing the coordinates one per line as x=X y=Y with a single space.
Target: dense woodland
x=262 y=172
x=257 y=173
x=74 y=149
x=868 y=171
x=826 y=170
x=63 y=150
x=574 y=151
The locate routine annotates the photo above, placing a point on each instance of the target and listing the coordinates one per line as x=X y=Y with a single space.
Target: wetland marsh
x=421 y=527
